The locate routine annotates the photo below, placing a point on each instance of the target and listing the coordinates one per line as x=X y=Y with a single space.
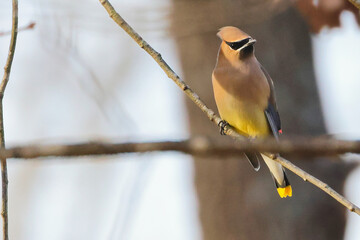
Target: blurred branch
x=5 y=80
x=31 y=25
x=210 y=113
x=204 y=146
x=356 y=3
x=201 y=146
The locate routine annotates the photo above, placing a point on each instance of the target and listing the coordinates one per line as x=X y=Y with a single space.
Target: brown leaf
x=325 y=12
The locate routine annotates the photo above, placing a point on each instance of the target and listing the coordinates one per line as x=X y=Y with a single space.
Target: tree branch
x=4 y=82
x=320 y=184
x=356 y=3
x=210 y=113
x=31 y=25
x=200 y=146
x=14 y=31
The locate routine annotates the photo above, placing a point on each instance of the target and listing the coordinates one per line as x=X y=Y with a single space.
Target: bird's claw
x=252 y=138
x=222 y=124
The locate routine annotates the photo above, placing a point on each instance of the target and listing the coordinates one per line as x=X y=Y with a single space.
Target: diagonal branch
x=356 y=3
x=164 y=66
x=320 y=184
x=5 y=80
x=210 y=113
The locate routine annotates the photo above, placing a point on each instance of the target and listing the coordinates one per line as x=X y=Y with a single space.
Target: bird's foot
x=222 y=124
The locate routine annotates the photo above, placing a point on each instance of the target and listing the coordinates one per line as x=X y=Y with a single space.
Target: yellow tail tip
x=285 y=192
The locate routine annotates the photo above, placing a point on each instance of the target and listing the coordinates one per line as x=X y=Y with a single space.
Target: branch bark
x=199 y=146
x=5 y=80
x=356 y=3
x=31 y=25
x=210 y=113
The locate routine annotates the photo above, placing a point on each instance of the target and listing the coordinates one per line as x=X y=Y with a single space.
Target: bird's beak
x=249 y=43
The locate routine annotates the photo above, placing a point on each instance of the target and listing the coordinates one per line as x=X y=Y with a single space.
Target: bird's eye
x=238 y=44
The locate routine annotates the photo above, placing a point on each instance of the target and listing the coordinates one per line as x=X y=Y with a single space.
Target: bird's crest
x=231 y=34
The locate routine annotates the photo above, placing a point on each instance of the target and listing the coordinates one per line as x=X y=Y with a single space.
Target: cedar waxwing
x=245 y=97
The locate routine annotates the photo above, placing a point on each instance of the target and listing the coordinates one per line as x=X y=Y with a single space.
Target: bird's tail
x=285 y=190
x=281 y=181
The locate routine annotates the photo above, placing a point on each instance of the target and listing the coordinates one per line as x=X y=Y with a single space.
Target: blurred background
x=78 y=77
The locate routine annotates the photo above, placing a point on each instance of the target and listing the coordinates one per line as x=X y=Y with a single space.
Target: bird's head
x=236 y=43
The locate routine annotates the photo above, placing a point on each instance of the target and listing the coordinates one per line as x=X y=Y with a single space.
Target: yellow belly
x=248 y=119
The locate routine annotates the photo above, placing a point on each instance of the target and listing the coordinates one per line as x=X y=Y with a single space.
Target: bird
x=245 y=98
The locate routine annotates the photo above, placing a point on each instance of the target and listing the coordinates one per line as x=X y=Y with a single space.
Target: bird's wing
x=273 y=119
x=272 y=115
x=272 y=98
x=271 y=112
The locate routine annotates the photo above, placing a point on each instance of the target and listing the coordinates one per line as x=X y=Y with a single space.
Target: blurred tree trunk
x=234 y=201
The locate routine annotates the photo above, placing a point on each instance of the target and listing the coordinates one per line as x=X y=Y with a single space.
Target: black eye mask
x=238 y=44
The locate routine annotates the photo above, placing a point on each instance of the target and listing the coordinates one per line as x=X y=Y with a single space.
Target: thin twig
x=210 y=113
x=5 y=80
x=200 y=146
x=31 y=25
x=320 y=184
x=164 y=66
x=356 y=3
x=14 y=31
